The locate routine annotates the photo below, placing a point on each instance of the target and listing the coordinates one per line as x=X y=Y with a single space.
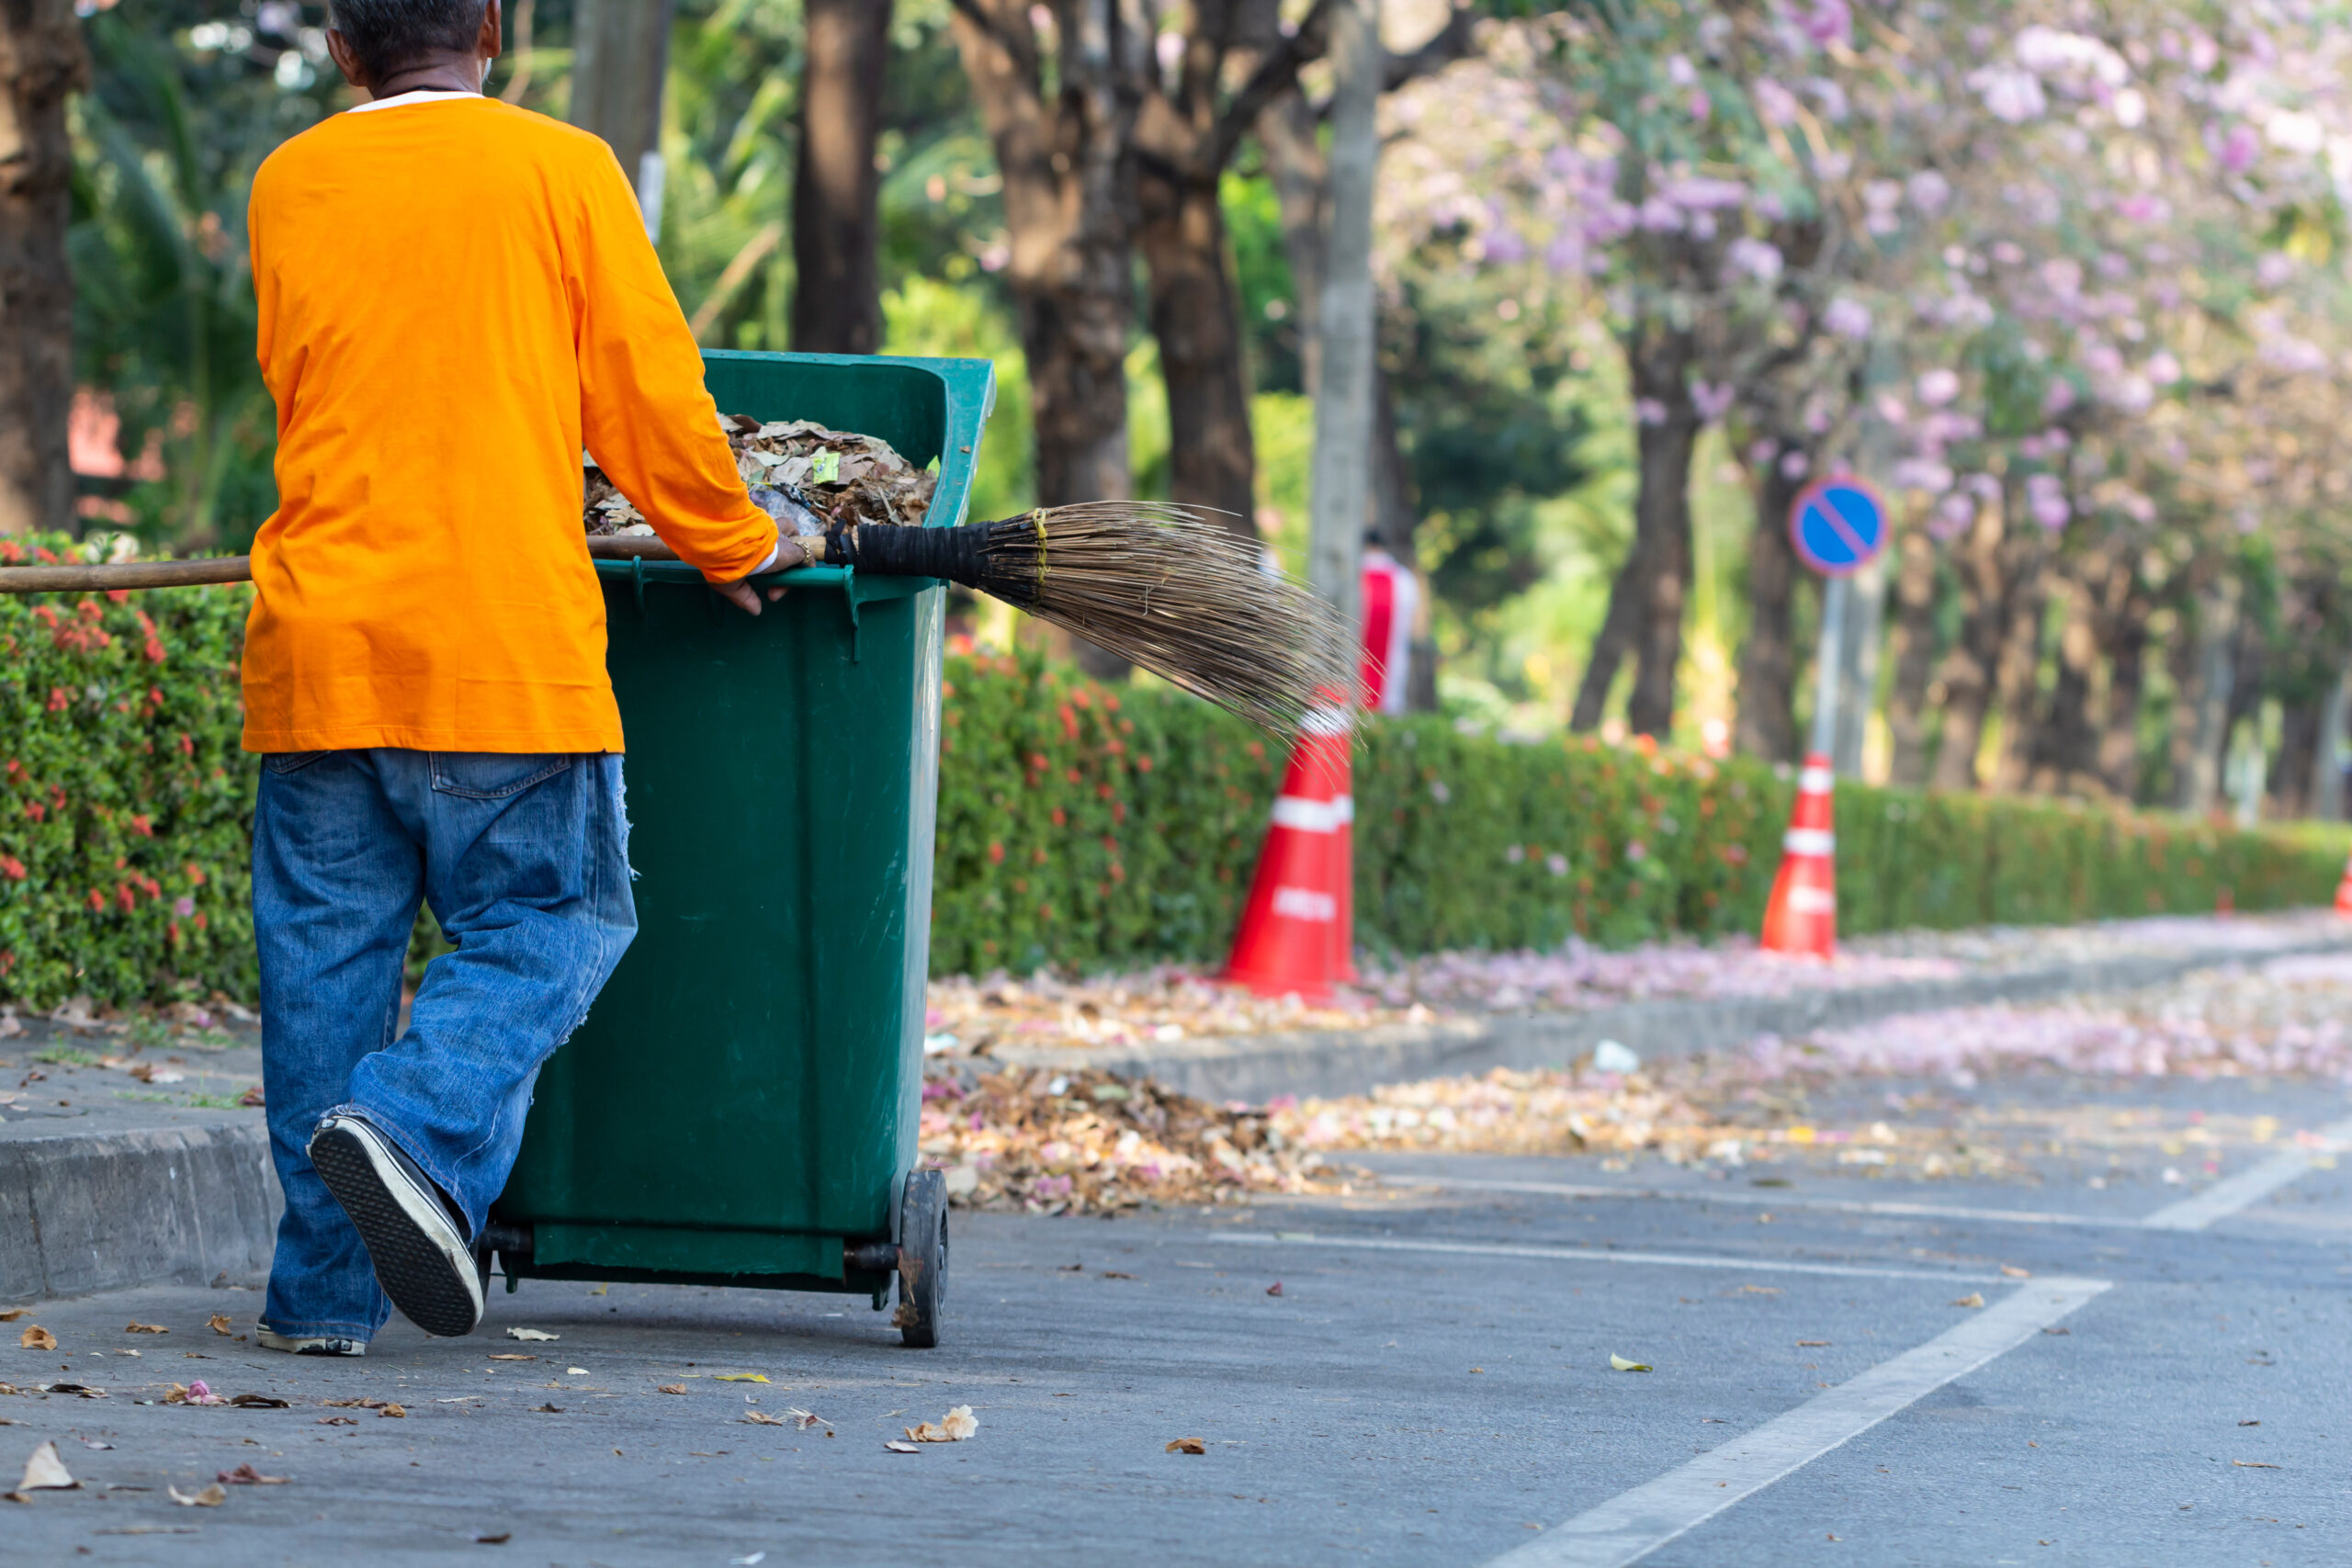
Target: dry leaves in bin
x=36 y=1338
x=847 y=477
x=953 y=1427
x=1186 y=1446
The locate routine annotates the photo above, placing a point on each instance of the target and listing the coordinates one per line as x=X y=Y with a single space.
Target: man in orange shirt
x=456 y=297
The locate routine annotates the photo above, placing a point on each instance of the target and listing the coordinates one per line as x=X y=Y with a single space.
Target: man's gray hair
x=389 y=34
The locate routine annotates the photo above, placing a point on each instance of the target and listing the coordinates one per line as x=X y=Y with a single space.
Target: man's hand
x=744 y=597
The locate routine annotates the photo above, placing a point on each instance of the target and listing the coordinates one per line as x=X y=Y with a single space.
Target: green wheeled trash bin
x=741 y=1107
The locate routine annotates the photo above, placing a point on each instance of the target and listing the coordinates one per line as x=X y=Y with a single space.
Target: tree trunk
x=1294 y=161
x=1066 y=206
x=2017 y=667
x=1195 y=314
x=1968 y=669
x=2290 y=770
x=1646 y=599
x=41 y=61
x=1343 y=397
x=2201 y=730
x=619 y=50
x=1915 y=657
x=837 y=297
x=2065 y=752
x=2327 y=768
x=2125 y=635
x=1767 y=721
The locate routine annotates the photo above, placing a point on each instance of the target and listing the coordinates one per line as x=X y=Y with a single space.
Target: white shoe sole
x=309 y=1344
x=421 y=1259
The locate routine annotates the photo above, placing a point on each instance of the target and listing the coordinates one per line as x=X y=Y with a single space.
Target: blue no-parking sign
x=1838 y=526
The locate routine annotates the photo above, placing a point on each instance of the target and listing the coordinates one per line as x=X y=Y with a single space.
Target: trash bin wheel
x=923 y=1259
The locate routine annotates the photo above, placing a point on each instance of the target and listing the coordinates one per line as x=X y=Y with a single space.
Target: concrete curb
x=1256 y=1067
x=136 y=1206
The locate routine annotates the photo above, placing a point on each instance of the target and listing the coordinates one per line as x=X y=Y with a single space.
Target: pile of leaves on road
x=1086 y=1142
x=845 y=477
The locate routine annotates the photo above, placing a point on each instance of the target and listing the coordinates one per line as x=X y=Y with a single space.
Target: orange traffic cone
x=2344 y=892
x=1298 y=928
x=1802 y=914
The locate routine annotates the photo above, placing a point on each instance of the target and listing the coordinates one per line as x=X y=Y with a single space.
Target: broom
x=1162 y=586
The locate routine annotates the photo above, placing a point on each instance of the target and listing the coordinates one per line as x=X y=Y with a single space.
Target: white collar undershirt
x=419 y=95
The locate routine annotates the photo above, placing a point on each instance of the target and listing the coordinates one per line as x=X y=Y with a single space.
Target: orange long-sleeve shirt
x=456 y=297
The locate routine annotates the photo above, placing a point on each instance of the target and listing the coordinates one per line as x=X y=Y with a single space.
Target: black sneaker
x=421 y=1253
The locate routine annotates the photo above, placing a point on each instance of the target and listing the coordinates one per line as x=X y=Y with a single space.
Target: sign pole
x=1834 y=593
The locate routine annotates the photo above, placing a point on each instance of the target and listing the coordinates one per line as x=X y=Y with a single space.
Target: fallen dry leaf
x=1804 y=1344
x=740 y=1377
x=2014 y=1272
x=36 y=1338
x=211 y=1496
x=511 y=1356
x=575 y=1372
x=394 y=1412
x=670 y=1388
x=337 y=1421
x=1973 y=1299
x=488 y=1537
x=532 y=1336
x=897 y=1446
x=219 y=1322
x=13 y=1314
x=246 y=1475
x=144 y=1328
x=804 y=1419
x=258 y=1401
x=1619 y=1364
x=754 y=1418
x=1186 y=1446
x=953 y=1427
x=2061 y=1329
x=44 y=1470
x=251 y=1099
x=1275 y=1289
x=78 y=1389
x=2251 y=1464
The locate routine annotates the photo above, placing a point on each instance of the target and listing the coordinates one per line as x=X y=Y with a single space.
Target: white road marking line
x=1765 y=1201
x=1633 y=1524
x=2229 y=1195
x=1587 y=1255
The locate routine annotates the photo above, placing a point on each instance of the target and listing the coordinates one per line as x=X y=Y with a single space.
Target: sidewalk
x=126 y=1157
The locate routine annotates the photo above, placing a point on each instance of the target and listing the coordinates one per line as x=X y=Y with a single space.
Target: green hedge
x=1079 y=826
x=125 y=804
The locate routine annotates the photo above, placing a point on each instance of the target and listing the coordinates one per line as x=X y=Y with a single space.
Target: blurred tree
x=183 y=107
x=41 y=61
x=837 y=296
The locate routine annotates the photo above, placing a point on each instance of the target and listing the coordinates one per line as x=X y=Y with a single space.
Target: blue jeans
x=524 y=862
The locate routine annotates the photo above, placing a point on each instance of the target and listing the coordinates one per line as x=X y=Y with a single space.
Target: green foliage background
x=1079 y=826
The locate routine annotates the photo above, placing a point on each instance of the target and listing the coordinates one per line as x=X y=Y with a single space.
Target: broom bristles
x=1171 y=589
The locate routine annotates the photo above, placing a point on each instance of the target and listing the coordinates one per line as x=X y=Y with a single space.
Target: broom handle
x=923 y=552
x=238 y=568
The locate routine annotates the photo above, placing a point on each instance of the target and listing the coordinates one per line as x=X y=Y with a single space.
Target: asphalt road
x=1432 y=1385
